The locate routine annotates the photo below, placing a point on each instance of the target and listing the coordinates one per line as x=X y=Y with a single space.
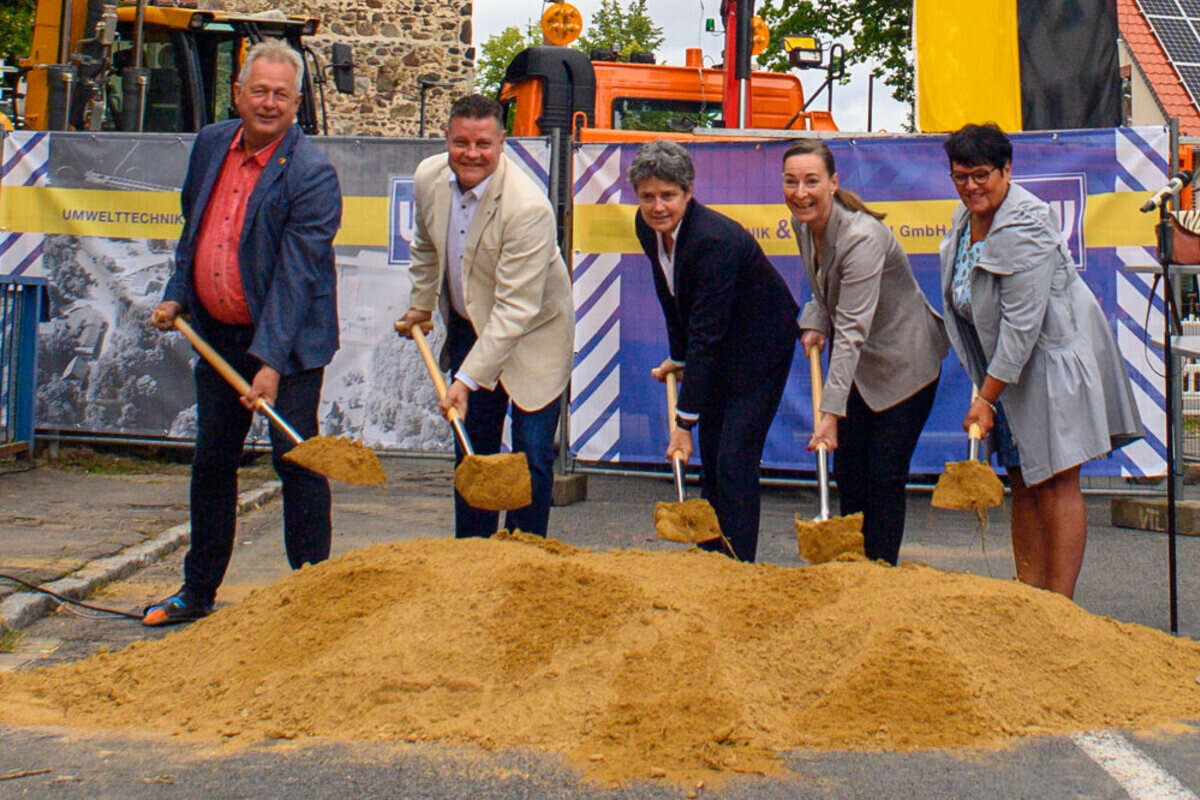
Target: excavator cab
x=172 y=71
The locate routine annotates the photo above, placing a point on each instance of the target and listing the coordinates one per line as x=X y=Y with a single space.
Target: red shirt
x=215 y=269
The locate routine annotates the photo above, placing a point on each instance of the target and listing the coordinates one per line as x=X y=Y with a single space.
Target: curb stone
x=22 y=609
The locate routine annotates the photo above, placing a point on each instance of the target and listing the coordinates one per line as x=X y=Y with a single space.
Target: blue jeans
x=222 y=425
x=532 y=434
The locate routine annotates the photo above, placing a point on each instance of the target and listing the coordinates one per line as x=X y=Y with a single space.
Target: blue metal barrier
x=24 y=302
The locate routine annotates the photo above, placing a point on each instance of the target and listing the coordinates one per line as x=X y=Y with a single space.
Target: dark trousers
x=732 y=435
x=871 y=465
x=532 y=434
x=222 y=425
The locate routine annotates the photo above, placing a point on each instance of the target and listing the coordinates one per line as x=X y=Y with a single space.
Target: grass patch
x=8 y=639
x=127 y=461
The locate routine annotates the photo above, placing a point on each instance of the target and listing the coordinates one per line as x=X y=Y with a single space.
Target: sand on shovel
x=496 y=482
x=968 y=486
x=338 y=458
x=692 y=521
x=632 y=665
x=824 y=540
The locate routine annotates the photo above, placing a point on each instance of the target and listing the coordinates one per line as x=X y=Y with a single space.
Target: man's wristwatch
x=684 y=424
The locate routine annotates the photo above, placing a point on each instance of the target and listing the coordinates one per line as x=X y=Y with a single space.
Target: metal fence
x=24 y=302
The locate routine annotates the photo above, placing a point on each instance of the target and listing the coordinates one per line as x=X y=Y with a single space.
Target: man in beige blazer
x=484 y=253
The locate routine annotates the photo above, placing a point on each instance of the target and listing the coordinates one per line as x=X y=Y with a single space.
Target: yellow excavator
x=150 y=66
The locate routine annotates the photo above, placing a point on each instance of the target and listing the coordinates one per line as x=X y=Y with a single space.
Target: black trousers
x=732 y=435
x=222 y=425
x=871 y=465
x=532 y=434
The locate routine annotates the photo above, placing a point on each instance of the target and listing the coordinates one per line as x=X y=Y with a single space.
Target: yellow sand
x=967 y=485
x=693 y=520
x=824 y=540
x=338 y=458
x=495 y=482
x=685 y=665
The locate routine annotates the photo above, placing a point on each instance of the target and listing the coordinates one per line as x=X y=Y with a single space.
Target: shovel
x=497 y=482
x=825 y=538
x=331 y=456
x=689 y=521
x=971 y=484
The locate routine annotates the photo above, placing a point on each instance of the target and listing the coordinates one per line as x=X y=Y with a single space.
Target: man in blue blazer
x=254 y=267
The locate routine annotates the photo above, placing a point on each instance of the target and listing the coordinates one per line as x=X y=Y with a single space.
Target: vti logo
x=1066 y=195
x=401 y=211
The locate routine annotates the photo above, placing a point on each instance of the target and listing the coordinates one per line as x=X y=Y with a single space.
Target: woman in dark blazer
x=887 y=343
x=731 y=321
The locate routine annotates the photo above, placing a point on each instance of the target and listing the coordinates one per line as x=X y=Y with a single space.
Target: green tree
x=873 y=30
x=622 y=30
x=496 y=53
x=16 y=28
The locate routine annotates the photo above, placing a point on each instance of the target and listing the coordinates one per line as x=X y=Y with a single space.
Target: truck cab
x=609 y=101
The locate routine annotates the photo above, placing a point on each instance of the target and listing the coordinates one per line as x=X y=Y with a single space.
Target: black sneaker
x=179 y=607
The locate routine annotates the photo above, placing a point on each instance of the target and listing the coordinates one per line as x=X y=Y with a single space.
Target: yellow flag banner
x=968 y=64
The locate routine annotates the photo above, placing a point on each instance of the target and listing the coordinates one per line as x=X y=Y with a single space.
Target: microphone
x=1180 y=180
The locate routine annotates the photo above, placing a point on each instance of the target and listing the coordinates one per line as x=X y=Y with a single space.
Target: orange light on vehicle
x=561 y=24
x=760 y=35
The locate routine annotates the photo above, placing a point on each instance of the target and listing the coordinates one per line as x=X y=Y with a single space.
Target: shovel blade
x=691 y=522
x=497 y=482
x=824 y=540
x=338 y=458
x=968 y=486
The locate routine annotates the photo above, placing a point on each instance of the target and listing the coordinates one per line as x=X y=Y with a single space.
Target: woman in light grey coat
x=1053 y=389
x=887 y=343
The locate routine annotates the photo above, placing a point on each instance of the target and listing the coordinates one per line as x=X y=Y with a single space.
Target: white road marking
x=1134 y=770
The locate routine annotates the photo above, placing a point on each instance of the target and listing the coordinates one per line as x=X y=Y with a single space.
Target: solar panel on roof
x=1178 y=38
x=1176 y=25
x=1166 y=7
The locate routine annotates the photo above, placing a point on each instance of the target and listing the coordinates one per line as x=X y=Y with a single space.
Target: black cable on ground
x=67 y=601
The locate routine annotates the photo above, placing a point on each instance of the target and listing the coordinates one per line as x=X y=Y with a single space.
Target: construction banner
x=1024 y=64
x=98 y=216
x=1094 y=180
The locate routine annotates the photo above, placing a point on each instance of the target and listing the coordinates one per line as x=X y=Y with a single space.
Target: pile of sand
x=632 y=664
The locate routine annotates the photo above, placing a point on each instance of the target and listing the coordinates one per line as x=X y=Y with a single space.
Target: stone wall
x=396 y=44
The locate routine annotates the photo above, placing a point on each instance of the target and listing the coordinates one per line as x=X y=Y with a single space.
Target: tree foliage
x=16 y=28
x=496 y=53
x=623 y=30
x=871 y=30
x=610 y=28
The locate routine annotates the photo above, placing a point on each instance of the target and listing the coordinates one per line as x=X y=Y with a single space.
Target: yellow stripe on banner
x=968 y=64
x=150 y=215
x=91 y=212
x=364 y=222
x=1111 y=220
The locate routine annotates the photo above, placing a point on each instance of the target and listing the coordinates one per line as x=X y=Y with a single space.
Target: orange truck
x=600 y=99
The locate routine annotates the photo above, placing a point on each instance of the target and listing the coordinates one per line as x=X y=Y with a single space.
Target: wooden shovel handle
x=233 y=377
x=240 y=385
x=814 y=368
x=672 y=399
x=974 y=432
x=435 y=372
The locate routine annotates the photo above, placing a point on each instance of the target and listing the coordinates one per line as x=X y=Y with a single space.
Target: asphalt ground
x=49 y=516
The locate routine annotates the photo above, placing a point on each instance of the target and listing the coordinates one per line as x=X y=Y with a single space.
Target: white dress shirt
x=462 y=213
x=666 y=262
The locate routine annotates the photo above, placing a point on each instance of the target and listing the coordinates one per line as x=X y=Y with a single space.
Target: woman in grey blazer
x=1054 y=391
x=887 y=343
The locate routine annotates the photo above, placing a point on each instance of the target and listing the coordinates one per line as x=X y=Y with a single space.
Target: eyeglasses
x=979 y=177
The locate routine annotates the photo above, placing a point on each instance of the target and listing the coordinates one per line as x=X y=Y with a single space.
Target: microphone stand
x=1165 y=237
